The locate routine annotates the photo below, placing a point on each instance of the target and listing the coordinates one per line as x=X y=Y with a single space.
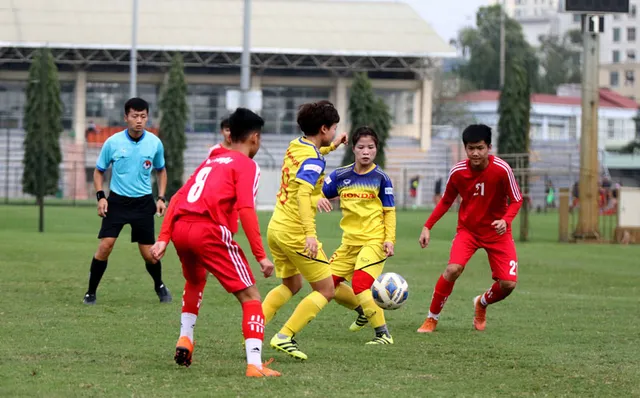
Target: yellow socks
x=345 y=297
x=371 y=309
x=276 y=298
x=304 y=313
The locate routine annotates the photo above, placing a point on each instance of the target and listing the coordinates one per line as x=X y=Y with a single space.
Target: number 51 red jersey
x=220 y=184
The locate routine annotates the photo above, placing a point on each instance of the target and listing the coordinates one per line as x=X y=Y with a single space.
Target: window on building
x=617 y=17
x=13 y=99
x=615 y=56
x=400 y=103
x=632 y=11
x=207 y=107
x=613 y=79
x=616 y=34
x=280 y=106
x=105 y=102
x=631 y=34
x=629 y=78
x=631 y=55
x=611 y=129
x=577 y=18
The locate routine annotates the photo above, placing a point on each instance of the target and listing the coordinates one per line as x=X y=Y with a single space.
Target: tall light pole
x=502 y=43
x=245 y=60
x=133 y=64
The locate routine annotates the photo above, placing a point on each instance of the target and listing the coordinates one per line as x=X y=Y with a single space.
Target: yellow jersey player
x=291 y=234
x=369 y=229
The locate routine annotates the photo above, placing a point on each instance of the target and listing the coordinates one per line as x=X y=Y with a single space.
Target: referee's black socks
x=155 y=270
x=97 y=270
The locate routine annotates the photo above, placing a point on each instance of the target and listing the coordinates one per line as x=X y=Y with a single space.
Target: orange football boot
x=184 y=351
x=428 y=326
x=254 y=371
x=480 y=318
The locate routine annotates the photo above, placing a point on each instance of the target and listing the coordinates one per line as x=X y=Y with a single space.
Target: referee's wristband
x=162 y=198
x=100 y=195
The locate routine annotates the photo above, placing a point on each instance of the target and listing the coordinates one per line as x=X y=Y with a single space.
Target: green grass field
x=571 y=328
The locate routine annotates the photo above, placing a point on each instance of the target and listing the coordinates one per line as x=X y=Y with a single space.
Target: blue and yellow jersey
x=367 y=203
x=300 y=188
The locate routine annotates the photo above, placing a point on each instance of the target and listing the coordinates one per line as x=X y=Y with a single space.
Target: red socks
x=252 y=320
x=493 y=295
x=192 y=297
x=440 y=294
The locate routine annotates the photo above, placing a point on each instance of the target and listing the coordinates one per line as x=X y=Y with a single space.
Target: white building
x=558 y=117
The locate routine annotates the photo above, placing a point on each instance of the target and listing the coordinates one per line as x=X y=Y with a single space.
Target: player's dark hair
x=224 y=124
x=476 y=133
x=314 y=115
x=137 y=104
x=364 y=131
x=243 y=123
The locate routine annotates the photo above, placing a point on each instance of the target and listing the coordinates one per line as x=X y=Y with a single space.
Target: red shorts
x=203 y=246
x=501 y=252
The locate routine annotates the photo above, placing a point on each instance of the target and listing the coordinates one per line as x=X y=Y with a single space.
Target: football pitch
x=571 y=327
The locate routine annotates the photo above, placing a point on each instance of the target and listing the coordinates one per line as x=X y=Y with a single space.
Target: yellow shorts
x=287 y=250
x=348 y=258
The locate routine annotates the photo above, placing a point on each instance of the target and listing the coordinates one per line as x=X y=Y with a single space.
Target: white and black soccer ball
x=390 y=291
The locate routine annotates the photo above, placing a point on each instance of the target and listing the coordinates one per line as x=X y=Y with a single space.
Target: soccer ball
x=390 y=291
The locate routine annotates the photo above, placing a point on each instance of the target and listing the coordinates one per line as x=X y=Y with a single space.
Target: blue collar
x=126 y=132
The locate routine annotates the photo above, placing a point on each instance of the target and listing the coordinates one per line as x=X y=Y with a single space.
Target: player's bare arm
x=324 y=205
x=425 y=237
x=266 y=267
x=342 y=138
x=98 y=180
x=161 y=206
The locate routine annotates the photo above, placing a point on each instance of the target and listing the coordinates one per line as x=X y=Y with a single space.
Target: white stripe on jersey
x=512 y=179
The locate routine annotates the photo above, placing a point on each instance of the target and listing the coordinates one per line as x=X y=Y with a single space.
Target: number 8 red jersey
x=219 y=184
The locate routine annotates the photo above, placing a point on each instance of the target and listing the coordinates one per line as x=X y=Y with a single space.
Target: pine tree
x=43 y=126
x=173 y=107
x=365 y=109
x=513 y=127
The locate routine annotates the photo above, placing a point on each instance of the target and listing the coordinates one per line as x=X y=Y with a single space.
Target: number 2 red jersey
x=487 y=195
x=220 y=187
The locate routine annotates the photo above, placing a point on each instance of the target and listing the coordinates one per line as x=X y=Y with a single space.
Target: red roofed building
x=558 y=117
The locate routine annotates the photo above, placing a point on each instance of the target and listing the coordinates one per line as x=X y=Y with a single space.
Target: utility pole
x=588 y=228
x=133 y=64
x=245 y=61
x=502 y=43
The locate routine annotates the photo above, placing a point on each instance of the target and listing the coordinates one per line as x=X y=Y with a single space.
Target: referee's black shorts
x=137 y=212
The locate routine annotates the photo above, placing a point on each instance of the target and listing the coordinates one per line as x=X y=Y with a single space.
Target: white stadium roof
x=305 y=27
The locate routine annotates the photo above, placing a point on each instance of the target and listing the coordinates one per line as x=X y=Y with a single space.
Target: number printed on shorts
x=198 y=184
x=514 y=268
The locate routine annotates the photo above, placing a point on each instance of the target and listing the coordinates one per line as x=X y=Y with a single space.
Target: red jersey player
x=199 y=225
x=490 y=201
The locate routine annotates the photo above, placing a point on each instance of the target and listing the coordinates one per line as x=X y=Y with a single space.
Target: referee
x=133 y=153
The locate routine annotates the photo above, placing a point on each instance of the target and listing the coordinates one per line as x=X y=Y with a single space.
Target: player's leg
x=369 y=266
x=291 y=278
x=342 y=265
x=110 y=229
x=143 y=232
x=195 y=276
x=463 y=247
x=226 y=261
x=503 y=260
x=318 y=273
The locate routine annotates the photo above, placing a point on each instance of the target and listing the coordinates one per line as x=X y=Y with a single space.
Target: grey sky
x=446 y=16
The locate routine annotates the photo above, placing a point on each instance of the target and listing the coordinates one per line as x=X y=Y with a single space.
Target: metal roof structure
x=335 y=36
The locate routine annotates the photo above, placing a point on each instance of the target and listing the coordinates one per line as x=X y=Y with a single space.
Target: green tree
x=174 y=109
x=513 y=130
x=43 y=126
x=560 y=60
x=482 y=47
x=365 y=109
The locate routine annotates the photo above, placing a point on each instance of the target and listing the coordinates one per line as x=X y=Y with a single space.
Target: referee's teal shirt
x=132 y=162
